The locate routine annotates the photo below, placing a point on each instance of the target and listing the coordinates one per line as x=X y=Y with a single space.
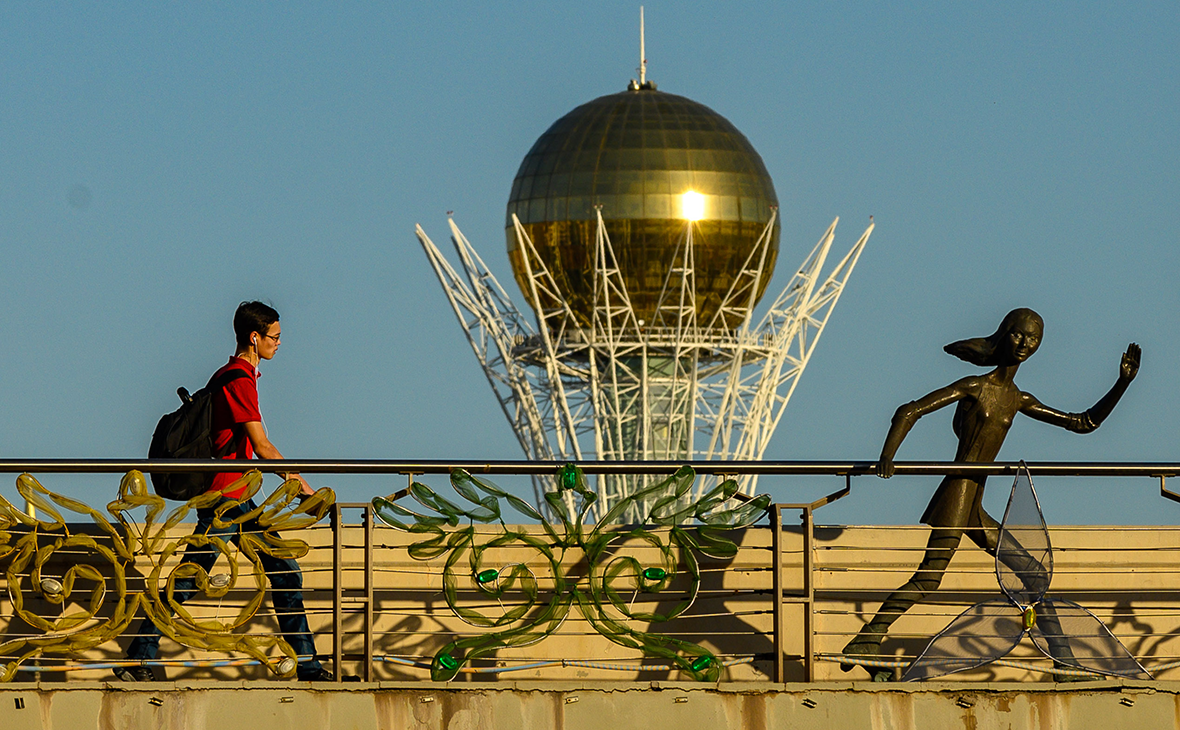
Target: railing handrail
x=525 y=467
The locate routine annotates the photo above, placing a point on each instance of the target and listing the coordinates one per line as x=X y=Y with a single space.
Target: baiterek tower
x=643 y=230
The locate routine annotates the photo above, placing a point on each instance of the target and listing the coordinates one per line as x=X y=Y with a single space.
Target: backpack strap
x=226 y=378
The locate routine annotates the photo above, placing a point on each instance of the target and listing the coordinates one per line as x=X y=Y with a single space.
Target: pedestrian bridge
x=470 y=618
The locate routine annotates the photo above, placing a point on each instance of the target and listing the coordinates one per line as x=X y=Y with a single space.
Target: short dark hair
x=253 y=317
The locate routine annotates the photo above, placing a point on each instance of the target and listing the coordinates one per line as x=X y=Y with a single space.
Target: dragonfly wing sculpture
x=978 y=636
x=1074 y=637
x=1062 y=630
x=1024 y=556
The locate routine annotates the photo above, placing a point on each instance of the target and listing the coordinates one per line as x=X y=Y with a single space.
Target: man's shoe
x=135 y=674
x=323 y=675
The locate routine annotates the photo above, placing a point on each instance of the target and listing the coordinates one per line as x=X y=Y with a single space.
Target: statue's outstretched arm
x=908 y=414
x=1092 y=418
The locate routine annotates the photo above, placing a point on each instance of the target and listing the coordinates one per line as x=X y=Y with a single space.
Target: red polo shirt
x=234 y=406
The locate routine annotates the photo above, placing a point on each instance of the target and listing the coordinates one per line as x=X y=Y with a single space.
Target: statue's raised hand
x=1129 y=367
x=884 y=467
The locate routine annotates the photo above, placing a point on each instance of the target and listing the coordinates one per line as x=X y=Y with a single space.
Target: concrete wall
x=593 y=706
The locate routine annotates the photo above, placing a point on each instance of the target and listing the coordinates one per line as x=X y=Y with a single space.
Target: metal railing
x=809 y=579
x=507 y=467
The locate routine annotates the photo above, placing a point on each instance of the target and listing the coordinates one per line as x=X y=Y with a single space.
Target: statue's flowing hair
x=982 y=350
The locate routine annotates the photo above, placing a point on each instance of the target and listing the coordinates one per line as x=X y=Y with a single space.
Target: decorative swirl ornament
x=29 y=543
x=601 y=594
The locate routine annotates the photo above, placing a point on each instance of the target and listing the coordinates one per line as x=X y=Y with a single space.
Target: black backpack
x=187 y=433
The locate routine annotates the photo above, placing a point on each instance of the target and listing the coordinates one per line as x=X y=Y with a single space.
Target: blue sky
x=160 y=163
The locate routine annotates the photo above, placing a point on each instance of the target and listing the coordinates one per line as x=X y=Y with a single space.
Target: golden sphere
x=656 y=163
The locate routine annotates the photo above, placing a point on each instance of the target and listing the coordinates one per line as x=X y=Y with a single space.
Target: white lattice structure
x=621 y=388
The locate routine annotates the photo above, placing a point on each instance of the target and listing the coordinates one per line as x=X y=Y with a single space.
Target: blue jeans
x=285 y=583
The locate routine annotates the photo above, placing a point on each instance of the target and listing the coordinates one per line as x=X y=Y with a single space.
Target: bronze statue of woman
x=986 y=406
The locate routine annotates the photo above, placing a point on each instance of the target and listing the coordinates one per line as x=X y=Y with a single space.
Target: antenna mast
x=642 y=54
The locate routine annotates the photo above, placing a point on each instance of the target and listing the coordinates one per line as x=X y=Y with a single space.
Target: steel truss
x=671 y=389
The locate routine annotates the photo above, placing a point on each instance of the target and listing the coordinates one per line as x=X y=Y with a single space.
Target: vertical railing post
x=776 y=563
x=368 y=518
x=337 y=592
x=809 y=596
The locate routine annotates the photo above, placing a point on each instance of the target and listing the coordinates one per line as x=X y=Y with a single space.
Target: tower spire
x=642 y=54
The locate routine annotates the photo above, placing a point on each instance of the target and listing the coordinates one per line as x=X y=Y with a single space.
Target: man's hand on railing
x=884 y=467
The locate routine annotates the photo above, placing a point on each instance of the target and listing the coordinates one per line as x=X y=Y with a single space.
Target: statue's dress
x=981 y=422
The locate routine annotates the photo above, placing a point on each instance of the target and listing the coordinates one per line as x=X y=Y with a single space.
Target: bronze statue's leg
x=987 y=535
x=939 y=551
x=1058 y=642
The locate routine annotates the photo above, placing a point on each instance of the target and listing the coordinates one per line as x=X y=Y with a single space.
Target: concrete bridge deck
x=262 y=705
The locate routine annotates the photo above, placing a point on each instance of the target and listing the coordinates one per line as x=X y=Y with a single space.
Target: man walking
x=237 y=431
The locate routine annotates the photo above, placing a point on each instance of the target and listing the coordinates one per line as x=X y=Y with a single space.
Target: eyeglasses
x=274 y=337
